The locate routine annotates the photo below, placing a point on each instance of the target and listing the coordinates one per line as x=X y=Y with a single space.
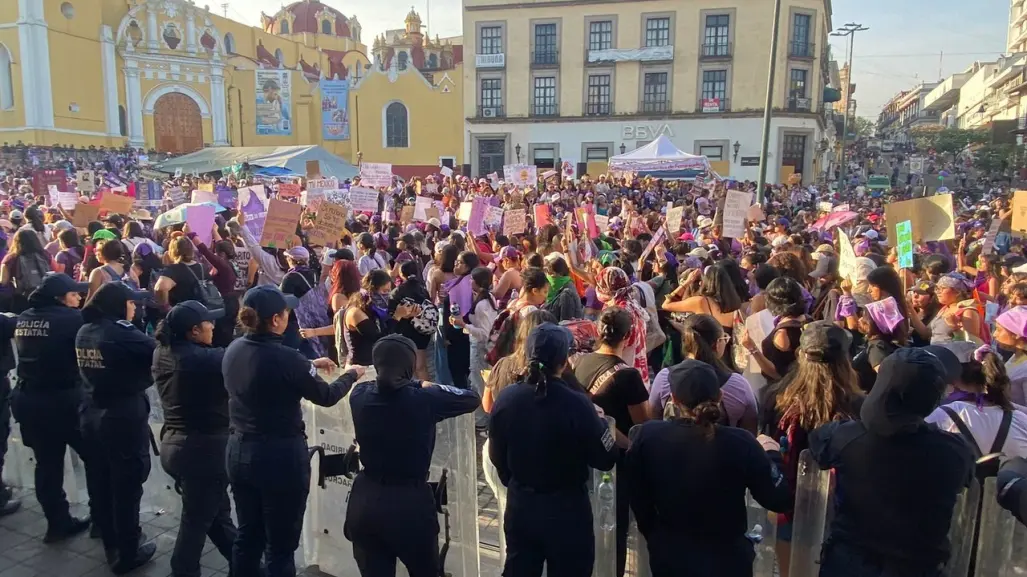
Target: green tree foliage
x=948 y=140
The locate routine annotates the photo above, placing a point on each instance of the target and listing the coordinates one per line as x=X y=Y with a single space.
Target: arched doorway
x=177 y=124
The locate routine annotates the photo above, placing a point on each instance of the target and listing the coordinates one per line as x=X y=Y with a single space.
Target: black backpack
x=206 y=292
x=31 y=270
x=986 y=467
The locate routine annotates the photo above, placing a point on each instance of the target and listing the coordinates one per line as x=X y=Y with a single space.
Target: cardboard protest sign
x=1019 y=206
x=313 y=168
x=288 y=190
x=603 y=223
x=989 y=238
x=177 y=196
x=253 y=202
x=41 y=179
x=904 y=243
x=841 y=208
x=317 y=186
x=67 y=200
x=542 y=216
x=205 y=186
x=280 y=224
x=521 y=174
x=432 y=212
x=363 y=199
x=406 y=215
x=464 y=213
x=330 y=223
x=514 y=221
x=421 y=204
x=493 y=216
x=476 y=222
x=931 y=217
x=674 y=216
x=446 y=171
x=115 y=203
x=375 y=174
x=736 y=205
x=658 y=237
x=200 y=220
x=755 y=214
x=85 y=180
x=85 y=214
x=846 y=256
x=203 y=196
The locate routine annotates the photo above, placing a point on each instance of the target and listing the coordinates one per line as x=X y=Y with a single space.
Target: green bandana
x=556 y=284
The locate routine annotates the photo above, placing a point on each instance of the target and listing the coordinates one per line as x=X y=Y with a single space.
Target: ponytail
x=996 y=381
x=707 y=414
x=538 y=374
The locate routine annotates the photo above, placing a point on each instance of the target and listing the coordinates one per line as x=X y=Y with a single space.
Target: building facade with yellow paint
x=547 y=81
x=172 y=76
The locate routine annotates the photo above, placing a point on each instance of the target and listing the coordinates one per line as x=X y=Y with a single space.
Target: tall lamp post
x=765 y=145
x=849 y=30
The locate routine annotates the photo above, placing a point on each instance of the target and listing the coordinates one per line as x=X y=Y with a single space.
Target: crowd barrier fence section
x=1002 y=545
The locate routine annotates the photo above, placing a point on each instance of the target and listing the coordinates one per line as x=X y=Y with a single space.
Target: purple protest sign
x=201 y=220
x=476 y=222
x=226 y=196
x=253 y=201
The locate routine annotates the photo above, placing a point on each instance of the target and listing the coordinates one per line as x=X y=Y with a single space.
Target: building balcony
x=491 y=112
x=598 y=109
x=799 y=104
x=654 y=107
x=497 y=60
x=549 y=58
x=802 y=50
x=713 y=105
x=716 y=51
x=547 y=110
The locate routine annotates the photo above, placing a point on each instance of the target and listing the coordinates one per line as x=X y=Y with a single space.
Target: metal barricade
x=1002 y=545
x=323 y=544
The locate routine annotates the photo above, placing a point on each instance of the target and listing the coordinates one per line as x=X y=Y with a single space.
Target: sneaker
x=142 y=556
x=66 y=531
x=10 y=507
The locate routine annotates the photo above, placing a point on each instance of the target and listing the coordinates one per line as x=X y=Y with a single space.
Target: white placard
x=493 y=216
x=421 y=204
x=521 y=174
x=363 y=199
x=735 y=207
x=67 y=200
x=446 y=171
x=375 y=174
x=322 y=184
x=840 y=208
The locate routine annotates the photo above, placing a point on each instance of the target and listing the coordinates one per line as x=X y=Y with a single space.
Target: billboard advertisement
x=335 y=109
x=274 y=102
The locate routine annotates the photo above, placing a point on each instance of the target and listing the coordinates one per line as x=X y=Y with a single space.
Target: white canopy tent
x=658 y=155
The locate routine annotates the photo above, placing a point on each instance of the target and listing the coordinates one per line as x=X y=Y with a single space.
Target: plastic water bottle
x=607 y=497
x=756 y=534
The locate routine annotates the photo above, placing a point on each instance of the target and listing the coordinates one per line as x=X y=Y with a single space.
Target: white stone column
x=152 y=34
x=218 y=107
x=134 y=95
x=190 y=31
x=110 y=81
x=37 y=93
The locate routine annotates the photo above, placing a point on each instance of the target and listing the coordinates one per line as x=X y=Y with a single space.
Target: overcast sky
x=902 y=48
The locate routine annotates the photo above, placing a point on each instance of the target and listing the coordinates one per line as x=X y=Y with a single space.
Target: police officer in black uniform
x=187 y=374
x=268 y=463
x=114 y=358
x=392 y=510
x=544 y=434
x=49 y=397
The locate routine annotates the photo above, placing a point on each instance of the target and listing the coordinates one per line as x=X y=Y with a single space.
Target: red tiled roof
x=305 y=18
x=265 y=57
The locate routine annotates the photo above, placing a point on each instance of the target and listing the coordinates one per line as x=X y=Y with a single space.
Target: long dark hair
x=718 y=287
x=614 y=326
x=990 y=375
x=699 y=341
x=483 y=278
x=886 y=279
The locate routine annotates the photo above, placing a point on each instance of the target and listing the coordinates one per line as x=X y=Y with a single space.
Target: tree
x=863 y=128
x=994 y=158
x=948 y=140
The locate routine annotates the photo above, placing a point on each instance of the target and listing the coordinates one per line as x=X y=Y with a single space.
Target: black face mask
x=394 y=357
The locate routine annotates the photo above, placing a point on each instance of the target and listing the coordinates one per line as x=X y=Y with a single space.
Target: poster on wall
x=274 y=102
x=335 y=109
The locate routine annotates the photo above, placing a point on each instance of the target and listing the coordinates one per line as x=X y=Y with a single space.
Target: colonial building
x=173 y=76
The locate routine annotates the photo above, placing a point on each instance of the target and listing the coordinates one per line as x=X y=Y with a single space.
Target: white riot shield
x=325 y=546
x=637 y=564
x=1002 y=545
x=961 y=531
x=606 y=541
x=159 y=494
x=763 y=536
x=809 y=518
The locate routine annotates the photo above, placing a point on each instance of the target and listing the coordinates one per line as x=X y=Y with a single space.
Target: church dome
x=308 y=17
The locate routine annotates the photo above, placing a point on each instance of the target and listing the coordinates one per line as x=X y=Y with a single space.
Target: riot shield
x=20 y=468
x=323 y=543
x=1002 y=544
x=809 y=518
x=637 y=564
x=763 y=535
x=961 y=531
x=159 y=494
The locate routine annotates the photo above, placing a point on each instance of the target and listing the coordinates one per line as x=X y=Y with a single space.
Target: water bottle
x=607 y=510
x=756 y=534
x=454 y=311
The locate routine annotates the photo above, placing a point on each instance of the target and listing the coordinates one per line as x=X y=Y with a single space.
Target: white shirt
x=481 y=322
x=984 y=424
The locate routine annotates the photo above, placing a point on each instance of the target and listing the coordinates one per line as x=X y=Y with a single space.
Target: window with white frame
x=657 y=31
x=491 y=40
x=600 y=35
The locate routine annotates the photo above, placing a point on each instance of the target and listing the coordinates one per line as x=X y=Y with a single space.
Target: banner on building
x=274 y=102
x=335 y=109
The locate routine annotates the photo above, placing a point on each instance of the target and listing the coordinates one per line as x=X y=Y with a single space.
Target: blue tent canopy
x=276 y=172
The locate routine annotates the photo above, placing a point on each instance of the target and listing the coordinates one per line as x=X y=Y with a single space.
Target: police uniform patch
x=127 y=324
x=454 y=390
x=608 y=440
x=313 y=370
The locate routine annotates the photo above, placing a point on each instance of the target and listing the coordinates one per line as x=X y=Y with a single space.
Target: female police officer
x=114 y=359
x=268 y=466
x=187 y=374
x=544 y=434
x=391 y=510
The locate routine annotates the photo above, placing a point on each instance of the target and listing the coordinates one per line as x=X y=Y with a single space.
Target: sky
x=909 y=41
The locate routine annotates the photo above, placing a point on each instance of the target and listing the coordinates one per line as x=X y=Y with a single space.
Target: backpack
x=29 y=274
x=985 y=467
x=206 y=292
x=502 y=334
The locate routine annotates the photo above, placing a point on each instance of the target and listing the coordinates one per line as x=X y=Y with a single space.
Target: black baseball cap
x=268 y=300
x=127 y=292
x=824 y=341
x=549 y=344
x=924 y=287
x=57 y=284
x=186 y=315
x=693 y=382
x=949 y=359
x=910 y=383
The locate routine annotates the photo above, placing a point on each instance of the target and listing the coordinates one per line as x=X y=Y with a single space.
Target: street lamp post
x=849 y=30
x=765 y=146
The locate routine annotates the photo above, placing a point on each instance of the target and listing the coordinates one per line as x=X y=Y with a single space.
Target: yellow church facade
x=172 y=76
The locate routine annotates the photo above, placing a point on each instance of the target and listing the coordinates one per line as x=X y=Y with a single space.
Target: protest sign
x=115 y=203
x=603 y=223
x=330 y=223
x=150 y=195
x=253 y=202
x=421 y=204
x=203 y=196
x=931 y=217
x=431 y=188
x=674 y=218
x=463 y=214
x=446 y=171
x=514 y=221
x=67 y=200
x=542 y=216
x=322 y=184
x=51 y=193
x=363 y=199
x=205 y=186
x=989 y=238
x=280 y=224
x=494 y=180
x=41 y=179
x=736 y=204
x=841 y=208
x=84 y=214
x=846 y=256
x=824 y=206
x=493 y=216
x=200 y=220
x=177 y=196
x=225 y=196
x=288 y=190
x=375 y=174
x=85 y=180
x=432 y=212
x=1019 y=206
x=755 y=214
x=521 y=174
x=904 y=243
x=406 y=215
x=313 y=168
x=658 y=237
x=476 y=221
x=178 y=172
